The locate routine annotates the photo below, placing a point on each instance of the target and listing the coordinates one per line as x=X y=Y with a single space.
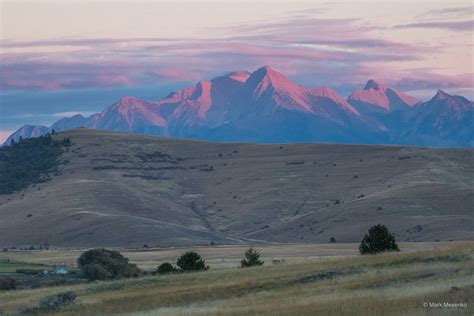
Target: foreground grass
x=387 y=284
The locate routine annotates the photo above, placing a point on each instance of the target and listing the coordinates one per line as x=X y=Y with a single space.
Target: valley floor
x=323 y=280
x=217 y=257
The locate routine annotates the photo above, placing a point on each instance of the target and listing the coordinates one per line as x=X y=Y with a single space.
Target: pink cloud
x=176 y=74
x=452 y=26
x=30 y=84
x=435 y=81
x=113 y=80
x=312 y=51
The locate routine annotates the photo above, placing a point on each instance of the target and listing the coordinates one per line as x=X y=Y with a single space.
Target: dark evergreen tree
x=378 y=239
x=252 y=258
x=191 y=261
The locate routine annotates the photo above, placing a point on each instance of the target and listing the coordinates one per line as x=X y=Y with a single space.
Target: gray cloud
x=449 y=13
x=452 y=26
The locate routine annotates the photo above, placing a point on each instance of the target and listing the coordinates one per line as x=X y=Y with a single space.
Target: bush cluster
x=188 y=261
x=7 y=284
x=103 y=264
x=57 y=301
x=165 y=268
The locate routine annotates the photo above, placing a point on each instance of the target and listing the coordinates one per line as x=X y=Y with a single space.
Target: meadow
x=305 y=284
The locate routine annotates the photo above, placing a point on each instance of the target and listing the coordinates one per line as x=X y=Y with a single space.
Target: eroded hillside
x=122 y=189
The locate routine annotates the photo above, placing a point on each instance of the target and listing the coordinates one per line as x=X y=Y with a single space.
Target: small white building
x=59 y=271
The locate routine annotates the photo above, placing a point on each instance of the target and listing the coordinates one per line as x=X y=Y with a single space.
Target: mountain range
x=265 y=106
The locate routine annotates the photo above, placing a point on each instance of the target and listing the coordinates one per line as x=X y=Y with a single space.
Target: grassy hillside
x=129 y=190
x=387 y=284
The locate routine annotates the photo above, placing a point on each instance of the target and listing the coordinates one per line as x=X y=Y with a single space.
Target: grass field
x=387 y=284
x=30 y=274
x=217 y=257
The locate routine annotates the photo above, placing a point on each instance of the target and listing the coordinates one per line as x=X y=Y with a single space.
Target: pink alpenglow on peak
x=202 y=104
x=267 y=83
x=377 y=96
x=240 y=76
x=375 y=85
x=329 y=93
x=129 y=114
x=132 y=108
x=198 y=102
x=267 y=77
x=441 y=95
x=269 y=93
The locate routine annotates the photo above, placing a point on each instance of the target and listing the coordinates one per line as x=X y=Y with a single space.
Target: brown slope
x=129 y=190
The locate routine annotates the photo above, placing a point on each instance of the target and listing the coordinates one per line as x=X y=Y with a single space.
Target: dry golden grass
x=217 y=257
x=387 y=284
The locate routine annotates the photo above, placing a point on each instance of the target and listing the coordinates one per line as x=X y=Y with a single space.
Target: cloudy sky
x=63 y=57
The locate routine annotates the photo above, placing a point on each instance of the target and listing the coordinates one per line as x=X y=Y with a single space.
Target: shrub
x=96 y=272
x=252 y=258
x=7 y=284
x=165 y=268
x=332 y=240
x=191 y=261
x=57 y=301
x=103 y=264
x=378 y=239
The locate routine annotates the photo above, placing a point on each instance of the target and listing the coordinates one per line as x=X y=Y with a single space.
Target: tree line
x=29 y=161
x=104 y=264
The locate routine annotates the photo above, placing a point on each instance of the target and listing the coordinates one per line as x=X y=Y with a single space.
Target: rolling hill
x=124 y=189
